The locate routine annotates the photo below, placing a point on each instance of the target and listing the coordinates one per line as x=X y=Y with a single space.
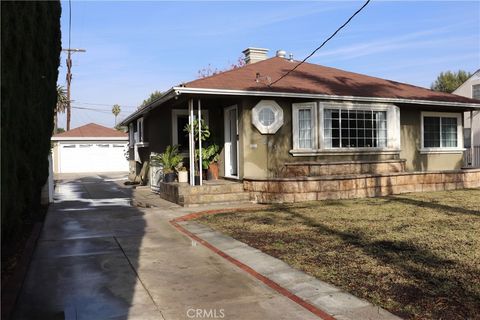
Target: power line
x=91 y=109
x=69 y=23
x=324 y=42
x=104 y=104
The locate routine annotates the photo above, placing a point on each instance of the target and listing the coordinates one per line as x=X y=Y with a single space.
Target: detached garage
x=90 y=148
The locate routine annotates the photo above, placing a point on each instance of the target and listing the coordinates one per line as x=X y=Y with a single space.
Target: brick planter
x=299 y=189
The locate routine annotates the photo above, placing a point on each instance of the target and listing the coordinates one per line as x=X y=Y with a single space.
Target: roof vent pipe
x=291 y=57
x=281 y=53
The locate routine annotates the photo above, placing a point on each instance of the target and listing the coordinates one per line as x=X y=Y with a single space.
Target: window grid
x=345 y=128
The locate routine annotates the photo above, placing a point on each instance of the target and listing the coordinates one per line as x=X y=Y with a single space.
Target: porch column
x=472 y=143
x=191 y=143
x=200 y=142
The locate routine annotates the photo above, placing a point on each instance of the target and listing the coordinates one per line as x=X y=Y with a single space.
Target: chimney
x=253 y=55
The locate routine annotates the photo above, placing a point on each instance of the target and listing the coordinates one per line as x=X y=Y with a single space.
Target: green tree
x=116 y=111
x=153 y=96
x=449 y=81
x=61 y=106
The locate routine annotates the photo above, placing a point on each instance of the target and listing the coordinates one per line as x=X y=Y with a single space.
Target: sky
x=134 y=48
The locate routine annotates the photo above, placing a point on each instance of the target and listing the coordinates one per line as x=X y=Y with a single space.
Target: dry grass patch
x=416 y=255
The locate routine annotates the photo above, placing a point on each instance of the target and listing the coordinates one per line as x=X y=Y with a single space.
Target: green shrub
x=30 y=53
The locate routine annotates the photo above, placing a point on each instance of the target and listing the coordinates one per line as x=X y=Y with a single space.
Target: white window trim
x=458 y=149
x=296 y=107
x=278 y=116
x=474 y=86
x=393 y=130
x=140 y=130
x=131 y=135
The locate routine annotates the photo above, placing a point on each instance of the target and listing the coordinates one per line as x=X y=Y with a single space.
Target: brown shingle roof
x=91 y=130
x=316 y=79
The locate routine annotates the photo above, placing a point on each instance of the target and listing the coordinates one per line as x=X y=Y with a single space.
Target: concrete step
x=202 y=198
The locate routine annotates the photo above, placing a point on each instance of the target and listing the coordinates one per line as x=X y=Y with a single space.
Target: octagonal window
x=267 y=116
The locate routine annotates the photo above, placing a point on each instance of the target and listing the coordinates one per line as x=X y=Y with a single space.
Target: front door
x=231 y=142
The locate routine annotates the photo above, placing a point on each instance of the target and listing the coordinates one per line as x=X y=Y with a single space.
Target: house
x=471 y=89
x=90 y=148
x=315 y=124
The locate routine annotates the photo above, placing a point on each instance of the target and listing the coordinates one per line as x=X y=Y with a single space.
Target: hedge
x=30 y=57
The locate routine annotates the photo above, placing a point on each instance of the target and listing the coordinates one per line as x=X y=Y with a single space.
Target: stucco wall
x=253 y=144
x=265 y=155
x=410 y=135
x=465 y=90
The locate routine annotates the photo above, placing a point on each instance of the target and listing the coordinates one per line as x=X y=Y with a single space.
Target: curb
x=275 y=286
x=11 y=289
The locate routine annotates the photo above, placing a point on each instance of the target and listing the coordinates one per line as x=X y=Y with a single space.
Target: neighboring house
x=471 y=89
x=317 y=122
x=90 y=148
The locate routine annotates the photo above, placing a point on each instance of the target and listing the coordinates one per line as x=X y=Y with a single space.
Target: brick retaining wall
x=358 y=186
x=317 y=169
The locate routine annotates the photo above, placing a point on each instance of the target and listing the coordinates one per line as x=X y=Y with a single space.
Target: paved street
x=100 y=258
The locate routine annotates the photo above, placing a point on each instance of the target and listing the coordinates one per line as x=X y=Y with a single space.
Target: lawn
x=416 y=255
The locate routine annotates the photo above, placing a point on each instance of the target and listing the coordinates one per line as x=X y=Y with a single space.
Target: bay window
x=345 y=127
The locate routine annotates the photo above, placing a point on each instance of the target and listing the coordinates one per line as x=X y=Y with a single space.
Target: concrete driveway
x=100 y=258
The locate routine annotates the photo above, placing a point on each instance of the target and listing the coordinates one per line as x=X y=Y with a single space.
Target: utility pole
x=69 y=81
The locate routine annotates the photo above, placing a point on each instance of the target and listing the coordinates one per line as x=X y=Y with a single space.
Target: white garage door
x=92 y=157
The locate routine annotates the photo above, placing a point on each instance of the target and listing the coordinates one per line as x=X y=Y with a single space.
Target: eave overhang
x=177 y=91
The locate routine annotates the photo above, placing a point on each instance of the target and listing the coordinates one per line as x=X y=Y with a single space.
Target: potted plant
x=182 y=173
x=170 y=158
x=210 y=156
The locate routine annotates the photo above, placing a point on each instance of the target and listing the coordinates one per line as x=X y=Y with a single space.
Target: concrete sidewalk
x=321 y=295
x=100 y=258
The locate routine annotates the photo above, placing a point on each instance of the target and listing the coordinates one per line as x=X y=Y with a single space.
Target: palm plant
x=170 y=158
x=61 y=106
x=116 y=111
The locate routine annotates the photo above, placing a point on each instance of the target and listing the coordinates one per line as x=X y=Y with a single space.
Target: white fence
x=47 y=189
x=467 y=157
